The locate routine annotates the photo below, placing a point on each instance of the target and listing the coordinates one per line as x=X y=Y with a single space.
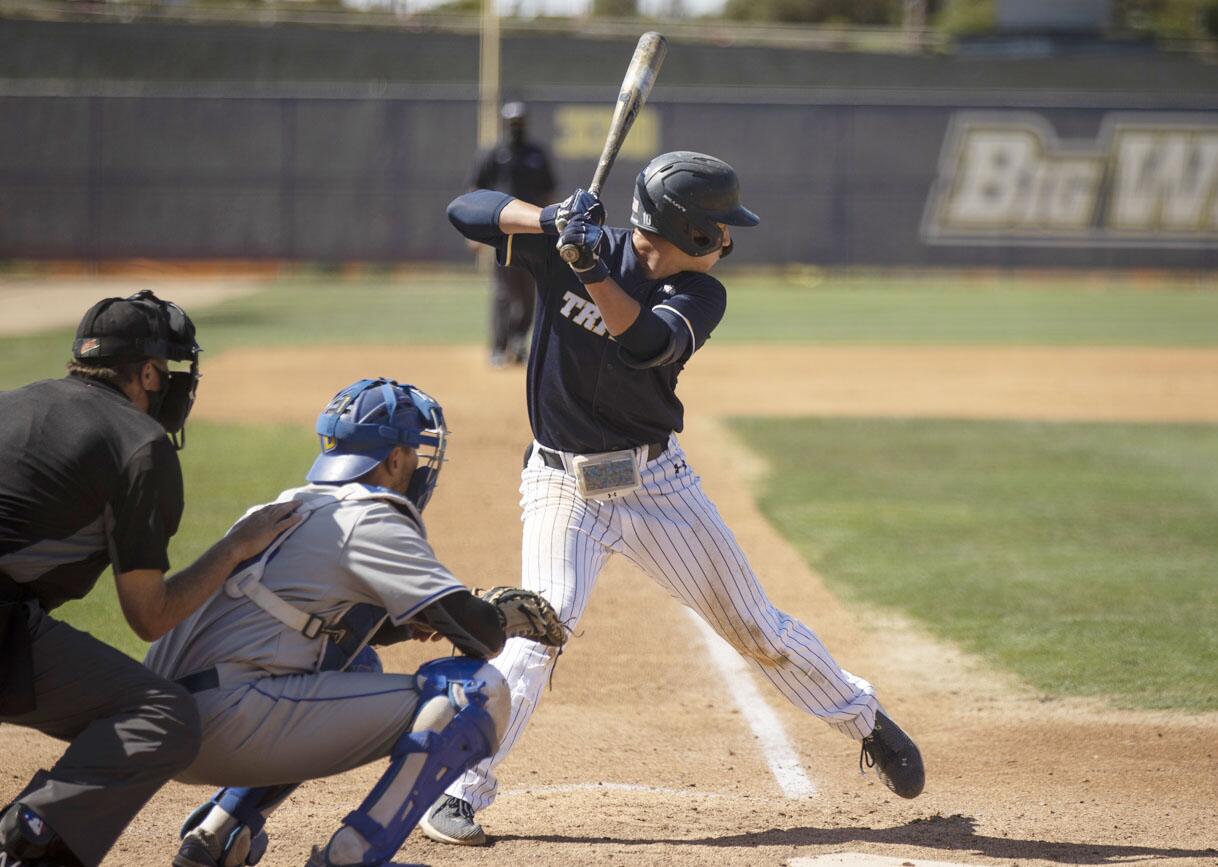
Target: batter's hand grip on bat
x=636 y=87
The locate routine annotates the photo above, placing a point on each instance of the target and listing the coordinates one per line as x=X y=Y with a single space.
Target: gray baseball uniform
x=277 y=715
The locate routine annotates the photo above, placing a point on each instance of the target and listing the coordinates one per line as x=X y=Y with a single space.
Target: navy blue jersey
x=584 y=393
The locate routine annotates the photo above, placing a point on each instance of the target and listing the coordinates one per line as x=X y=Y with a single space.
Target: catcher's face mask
x=433 y=440
x=363 y=422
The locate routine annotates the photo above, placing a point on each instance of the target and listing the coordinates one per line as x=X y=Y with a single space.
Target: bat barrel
x=636 y=86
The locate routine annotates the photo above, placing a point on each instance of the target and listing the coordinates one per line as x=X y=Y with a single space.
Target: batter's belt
x=554 y=459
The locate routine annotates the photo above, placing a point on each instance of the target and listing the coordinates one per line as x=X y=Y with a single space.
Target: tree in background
x=882 y=12
x=1178 y=18
x=966 y=17
x=1168 y=18
x=615 y=8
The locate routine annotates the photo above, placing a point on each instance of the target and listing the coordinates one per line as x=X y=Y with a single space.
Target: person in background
x=521 y=169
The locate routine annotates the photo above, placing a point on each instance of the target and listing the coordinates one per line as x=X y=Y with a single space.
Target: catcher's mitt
x=525 y=614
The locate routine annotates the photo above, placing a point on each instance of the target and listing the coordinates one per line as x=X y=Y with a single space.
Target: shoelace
x=865 y=757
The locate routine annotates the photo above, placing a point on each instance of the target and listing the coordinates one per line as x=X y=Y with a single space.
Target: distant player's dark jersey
x=584 y=395
x=520 y=170
x=86 y=481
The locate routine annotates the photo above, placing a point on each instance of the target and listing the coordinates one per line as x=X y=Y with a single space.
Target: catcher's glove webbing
x=525 y=614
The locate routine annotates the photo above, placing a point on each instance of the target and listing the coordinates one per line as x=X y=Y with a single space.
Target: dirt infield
x=638 y=756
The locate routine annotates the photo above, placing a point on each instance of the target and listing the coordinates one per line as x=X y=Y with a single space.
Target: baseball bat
x=636 y=87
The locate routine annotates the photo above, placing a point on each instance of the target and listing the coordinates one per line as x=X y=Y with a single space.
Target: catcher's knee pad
x=244 y=841
x=466 y=682
x=463 y=708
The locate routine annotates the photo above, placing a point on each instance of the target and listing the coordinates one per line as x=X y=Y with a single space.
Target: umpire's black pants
x=512 y=296
x=128 y=730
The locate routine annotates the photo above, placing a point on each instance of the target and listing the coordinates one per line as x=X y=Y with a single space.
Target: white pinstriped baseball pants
x=673 y=532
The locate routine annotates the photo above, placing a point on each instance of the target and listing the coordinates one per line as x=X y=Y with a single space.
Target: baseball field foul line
x=771 y=737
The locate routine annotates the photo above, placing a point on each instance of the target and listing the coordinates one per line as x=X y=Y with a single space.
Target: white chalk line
x=771 y=737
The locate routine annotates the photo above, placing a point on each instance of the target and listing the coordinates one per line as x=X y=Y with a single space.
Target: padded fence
x=840 y=177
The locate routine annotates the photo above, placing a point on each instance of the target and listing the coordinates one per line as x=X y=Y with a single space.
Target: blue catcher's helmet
x=362 y=423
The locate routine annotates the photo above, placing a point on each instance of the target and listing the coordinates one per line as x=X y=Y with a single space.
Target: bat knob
x=569 y=253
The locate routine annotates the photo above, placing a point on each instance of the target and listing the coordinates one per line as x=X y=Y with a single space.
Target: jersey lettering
x=588 y=315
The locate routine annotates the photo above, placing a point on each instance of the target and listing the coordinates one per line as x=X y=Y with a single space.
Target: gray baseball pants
x=128 y=732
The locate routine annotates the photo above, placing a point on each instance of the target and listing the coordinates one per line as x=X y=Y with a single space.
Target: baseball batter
x=606 y=474
x=278 y=663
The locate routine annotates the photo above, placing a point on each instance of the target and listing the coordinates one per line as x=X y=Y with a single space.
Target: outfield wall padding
x=876 y=175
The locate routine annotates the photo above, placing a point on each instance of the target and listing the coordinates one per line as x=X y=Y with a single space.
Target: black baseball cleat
x=27 y=841
x=894 y=756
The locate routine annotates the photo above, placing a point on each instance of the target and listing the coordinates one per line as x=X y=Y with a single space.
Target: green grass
x=955 y=310
x=314 y=311
x=452 y=307
x=227 y=469
x=427 y=308
x=1084 y=557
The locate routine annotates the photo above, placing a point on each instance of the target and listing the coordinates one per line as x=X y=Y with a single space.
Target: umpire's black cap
x=129 y=329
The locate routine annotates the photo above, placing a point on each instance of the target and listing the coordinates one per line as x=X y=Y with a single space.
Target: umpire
x=90 y=478
x=521 y=169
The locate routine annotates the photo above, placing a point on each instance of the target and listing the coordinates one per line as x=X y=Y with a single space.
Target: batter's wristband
x=548 y=213
x=595 y=274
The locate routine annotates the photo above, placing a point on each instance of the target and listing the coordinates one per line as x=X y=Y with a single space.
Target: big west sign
x=1144 y=180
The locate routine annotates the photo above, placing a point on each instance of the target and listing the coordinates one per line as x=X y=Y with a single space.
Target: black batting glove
x=580 y=203
x=586 y=236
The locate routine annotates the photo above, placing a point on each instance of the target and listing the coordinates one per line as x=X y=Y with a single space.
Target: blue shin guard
x=249 y=807
x=463 y=705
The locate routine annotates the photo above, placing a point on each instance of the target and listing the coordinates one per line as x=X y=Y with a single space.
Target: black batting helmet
x=683 y=196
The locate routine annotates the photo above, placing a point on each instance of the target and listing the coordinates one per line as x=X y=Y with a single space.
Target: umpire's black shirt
x=86 y=481
x=518 y=169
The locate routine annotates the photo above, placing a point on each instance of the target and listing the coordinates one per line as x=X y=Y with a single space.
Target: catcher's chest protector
x=349 y=632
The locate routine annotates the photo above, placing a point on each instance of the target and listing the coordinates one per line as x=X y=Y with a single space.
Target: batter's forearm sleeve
x=652 y=341
x=470 y=623
x=476 y=215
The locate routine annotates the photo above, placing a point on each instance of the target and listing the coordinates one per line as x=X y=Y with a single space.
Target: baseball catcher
x=280 y=662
